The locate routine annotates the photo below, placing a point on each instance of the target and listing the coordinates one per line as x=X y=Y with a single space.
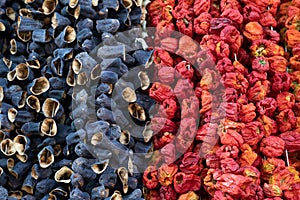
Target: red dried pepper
x=229 y=165
x=267 y=106
x=183 y=89
x=233 y=15
x=247 y=112
x=210 y=79
x=292 y=140
x=255 y=76
x=292 y=36
x=248 y=156
x=162 y=57
x=166 y=174
x=227 y=151
x=190 y=107
x=285 y=100
x=169 y=153
x=232 y=36
x=168 y=108
x=293 y=193
x=286 y=120
x=253 y=31
x=272 y=190
x=253 y=132
x=184 y=16
x=166 y=75
x=186 y=182
x=189 y=196
x=167 y=192
x=185 y=70
x=201 y=6
x=281 y=82
x=202 y=23
x=270 y=125
x=272 y=146
x=230 y=95
x=251 y=13
x=162 y=125
x=231 y=137
x=233 y=184
x=258 y=91
x=150 y=179
x=160 y=142
x=161 y=92
x=206 y=101
x=236 y=81
x=267 y=20
x=191 y=163
x=260 y=64
x=278 y=64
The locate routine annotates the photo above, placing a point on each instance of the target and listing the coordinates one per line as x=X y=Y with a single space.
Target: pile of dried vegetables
x=85 y=114
x=242 y=60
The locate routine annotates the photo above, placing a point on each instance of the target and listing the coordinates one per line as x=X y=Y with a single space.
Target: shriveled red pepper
x=168 y=108
x=258 y=91
x=286 y=120
x=256 y=76
x=278 y=64
x=236 y=81
x=260 y=64
x=229 y=4
x=161 y=92
x=201 y=6
x=227 y=151
x=254 y=191
x=251 y=172
x=270 y=125
x=187 y=48
x=184 y=16
x=272 y=190
x=293 y=193
x=167 y=192
x=247 y=112
x=233 y=184
x=253 y=132
x=267 y=20
x=189 y=196
x=183 y=89
x=208 y=130
x=225 y=65
x=190 y=107
x=168 y=152
x=272 y=146
x=292 y=140
x=165 y=139
x=253 y=31
x=231 y=137
x=166 y=75
x=267 y=106
x=271 y=35
x=186 y=182
x=285 y=178
x=191 y=163
x=166 y=174
x=210 y=79
x=162 y=57
x=206 y=101
x=150 y=179
x=185 y=70
x=295 y=62
x=233 y=15
x=281 y=82
x=292 y=36
x=202 y=23
x=251 y=13
x=285 y=100
x=229 y=165
x=248 y=156
x=230 y=95
x=162 y=125
x=232 y=37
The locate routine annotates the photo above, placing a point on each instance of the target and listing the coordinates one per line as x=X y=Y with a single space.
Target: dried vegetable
x=245 y=81
x=46 y=66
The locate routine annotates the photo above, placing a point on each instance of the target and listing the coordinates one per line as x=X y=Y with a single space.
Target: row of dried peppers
x=236 y=135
